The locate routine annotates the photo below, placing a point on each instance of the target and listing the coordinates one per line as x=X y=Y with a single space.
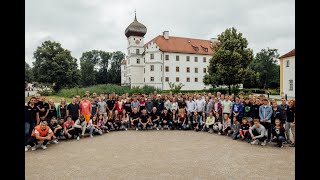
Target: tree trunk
x=229 y=87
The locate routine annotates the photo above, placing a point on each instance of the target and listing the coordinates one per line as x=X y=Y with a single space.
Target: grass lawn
x=55 y=99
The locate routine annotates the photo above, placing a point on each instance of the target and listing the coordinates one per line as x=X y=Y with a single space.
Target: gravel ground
x=160 y=155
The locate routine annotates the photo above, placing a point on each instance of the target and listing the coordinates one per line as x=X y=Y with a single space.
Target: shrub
x=45 y=92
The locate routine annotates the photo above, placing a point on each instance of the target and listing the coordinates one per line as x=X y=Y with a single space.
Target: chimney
x=166 y=34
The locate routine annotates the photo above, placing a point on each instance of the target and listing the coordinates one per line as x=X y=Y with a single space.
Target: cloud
x=82 y=25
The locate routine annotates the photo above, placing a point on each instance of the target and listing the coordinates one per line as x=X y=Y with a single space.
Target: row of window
x=178 y=58
x=177 y=69
x=167 y=79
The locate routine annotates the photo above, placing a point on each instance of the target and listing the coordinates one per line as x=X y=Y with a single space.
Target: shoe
x=219 y=133
x=48 y=142
x=256 y=141
x=126 y=129
x=55 y=141
x=136 y=129
x=33 y=148
x=292 y=145
x=264 y=143
x=78 y=138
x=69 y=135
x=289 y=142
x=26 y=149
x=157 y=129
x=44 y=147
x=91 y=136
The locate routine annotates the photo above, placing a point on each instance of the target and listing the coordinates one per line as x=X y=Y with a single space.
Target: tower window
x=151 y=56
x=138 y=61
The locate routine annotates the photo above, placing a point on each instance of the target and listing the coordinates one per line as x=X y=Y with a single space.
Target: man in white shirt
x=200 y=105
x=191 y=105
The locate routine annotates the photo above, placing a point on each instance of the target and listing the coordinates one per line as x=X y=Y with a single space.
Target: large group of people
x=255 y=119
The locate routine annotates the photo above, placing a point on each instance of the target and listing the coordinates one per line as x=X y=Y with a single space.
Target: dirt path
x=160 y=155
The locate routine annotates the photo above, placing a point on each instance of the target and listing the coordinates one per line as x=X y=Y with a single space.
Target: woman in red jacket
x=120 y=105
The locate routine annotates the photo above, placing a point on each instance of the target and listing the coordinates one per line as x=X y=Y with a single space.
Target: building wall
x=288 y=74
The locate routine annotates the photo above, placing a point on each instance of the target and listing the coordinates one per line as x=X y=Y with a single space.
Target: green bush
x=45 y=92
x=106 y=88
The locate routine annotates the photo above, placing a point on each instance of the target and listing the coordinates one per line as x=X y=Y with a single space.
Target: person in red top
x=120 y=105
x=41 y=132
x=85 y=108
x=68 y=127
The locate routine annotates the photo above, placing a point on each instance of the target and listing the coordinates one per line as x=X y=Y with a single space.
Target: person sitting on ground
x=258 y=133
x=278 y=133
x=92 y=126
x=61 y=123
x=144 y=120
x=40 y=133
x=117 y=120
x=68 y=126
x=110 y=121
x=134 y=118
x=174 y=118
x=124 y=120
x=80 y=126
x=184 y=119
x=155 y=118
x=165 y=120
x=235 y=128
x=244 y=129
x=225 y=127
x=209 y=122
x=101 y=123
x=56 y=128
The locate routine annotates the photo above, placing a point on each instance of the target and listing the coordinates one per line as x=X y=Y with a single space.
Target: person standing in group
x=226 y=106
x=256 y=107
x=101 y=106
x=135 y=104
x=208 y=106
x=120 y=105
x=217 y=108
x=73 y=109
x=290 y=123
x=283 y=107
x=265 y=113
x=199 y=105
x=142 y=103
x=237 y=110
x=52 y=112
x=248 y=110
x=85 y=108
x=62 y=109
x=149 y=105
x=110 y=104
x=31 y=119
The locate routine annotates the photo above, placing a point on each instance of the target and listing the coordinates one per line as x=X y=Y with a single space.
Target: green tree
x=54 y=65
x=175 y=87
x=265 y=64
x=102 y=76
x=28 y=75
x=88 y=62
x=229 y=64
x=115 y=69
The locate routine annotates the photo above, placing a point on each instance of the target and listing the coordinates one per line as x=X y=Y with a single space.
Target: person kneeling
x=258 y=133
x=40 y=133
x=278 y=133
x=225 y=127
x=244 y=129
x=56 y=128
x=144 y=120
x=80 y=126
x=235 y=128
x=209 y=122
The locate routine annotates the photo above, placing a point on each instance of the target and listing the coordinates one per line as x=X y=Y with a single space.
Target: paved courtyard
x=160 y=155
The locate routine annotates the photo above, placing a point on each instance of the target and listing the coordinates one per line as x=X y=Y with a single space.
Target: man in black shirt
x=283 y=111
x=166 y=120
x=73 y=109
x=144 y=120
x=44 y=109
x=134 y=118
x=31 y=119
x=159 y=104
x=256 y=107
x=155 y=117
x=110 y=104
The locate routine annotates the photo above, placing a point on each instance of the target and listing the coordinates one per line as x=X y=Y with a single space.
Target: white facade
x=289 y=76
x=152 y=67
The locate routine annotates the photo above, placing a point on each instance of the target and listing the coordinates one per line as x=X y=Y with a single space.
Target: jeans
x=236 y=135
x=34 y=141
x=288 y=126
x=280 y=140
x=26 y=132
x=267 y=125
x=90 y=129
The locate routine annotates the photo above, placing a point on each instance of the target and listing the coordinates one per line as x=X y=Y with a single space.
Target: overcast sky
x=84 y=25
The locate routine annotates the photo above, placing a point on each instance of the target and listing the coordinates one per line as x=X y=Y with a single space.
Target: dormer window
x=204 y=49
x=195 y=48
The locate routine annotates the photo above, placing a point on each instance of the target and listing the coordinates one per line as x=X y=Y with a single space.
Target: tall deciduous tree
x=115 y=69
x=230 y=61
x=265 y=64
x=88 y=62
x=54 y=65
x=28 y=75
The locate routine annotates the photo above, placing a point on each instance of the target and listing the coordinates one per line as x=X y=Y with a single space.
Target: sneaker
x=157 y=129
x=264 y=143
x=55 y=141
x=78 y=138
x=91 y=136
x=48 y=142
x=219 y=133
x=69 y=135
x=44 y=147
x=292 y=145
x=26 y=149
x=136 y=129
x=126 y=129
x=33 y=148
x=255 y=142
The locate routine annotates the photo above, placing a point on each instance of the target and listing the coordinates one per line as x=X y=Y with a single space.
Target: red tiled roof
x=289 y=54
x=124 y=62
x=182 y=45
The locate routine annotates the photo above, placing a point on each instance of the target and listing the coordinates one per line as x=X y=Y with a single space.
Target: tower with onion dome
x=135 y=60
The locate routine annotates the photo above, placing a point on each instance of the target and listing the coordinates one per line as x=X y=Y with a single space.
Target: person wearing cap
x=41 y=132
x=80 y=126
x=85 y=108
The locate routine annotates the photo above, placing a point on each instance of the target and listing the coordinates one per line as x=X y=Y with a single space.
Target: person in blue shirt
x=237 y=110
x=265 y=113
